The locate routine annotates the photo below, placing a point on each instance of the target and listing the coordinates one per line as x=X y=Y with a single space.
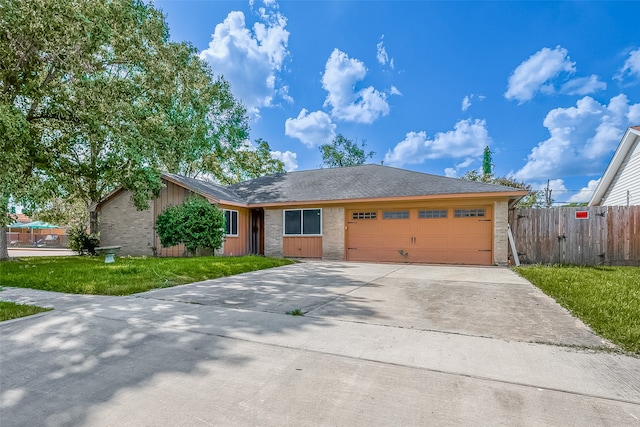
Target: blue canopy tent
x=33 y=226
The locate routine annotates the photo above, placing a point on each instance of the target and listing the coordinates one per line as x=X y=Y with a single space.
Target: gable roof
x=353 y=183
x=622 y=152
x=204 y=188
x=356 y=183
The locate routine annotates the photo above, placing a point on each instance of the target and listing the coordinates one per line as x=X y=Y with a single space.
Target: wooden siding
x=611 y=235
x=170 y=195
x=174 y=194
x=627 y=178
x=302 y=247
x=238 y=245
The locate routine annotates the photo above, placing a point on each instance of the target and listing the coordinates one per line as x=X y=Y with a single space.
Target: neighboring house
x=620 y=184
x=358 y=213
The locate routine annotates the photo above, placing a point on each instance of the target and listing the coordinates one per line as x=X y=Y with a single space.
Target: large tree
x=533 y=199
x=105 y=100
x=232 y=163
x=344 y=152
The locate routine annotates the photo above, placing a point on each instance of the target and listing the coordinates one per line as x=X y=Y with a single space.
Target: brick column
x=273 y=232
x=500 y=238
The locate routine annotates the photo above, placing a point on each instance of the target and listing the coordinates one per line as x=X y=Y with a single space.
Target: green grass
x=295 y=312
x=11 y=310
x=605 y=298
x=90 y=275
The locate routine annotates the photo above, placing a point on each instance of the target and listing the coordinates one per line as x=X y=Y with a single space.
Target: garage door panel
x=432 y=226
x=433 y=242
x=368 y=241
x=472 y=257
x=450 y=240
x=392 y=255
x=435 y=256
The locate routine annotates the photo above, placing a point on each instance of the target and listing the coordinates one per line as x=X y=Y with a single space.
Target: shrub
x=82 y=242
x=195 y=223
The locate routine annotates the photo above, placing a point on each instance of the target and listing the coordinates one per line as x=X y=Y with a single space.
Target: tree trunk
x=93 y=222
x=4 y=251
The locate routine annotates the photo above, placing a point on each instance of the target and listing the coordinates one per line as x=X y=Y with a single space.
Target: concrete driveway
x=380 y=344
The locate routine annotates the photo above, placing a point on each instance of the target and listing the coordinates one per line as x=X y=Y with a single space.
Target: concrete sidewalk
x=224 y=353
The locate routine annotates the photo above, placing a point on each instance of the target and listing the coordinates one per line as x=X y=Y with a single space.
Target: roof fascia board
x=499 y=195
x=618 y=158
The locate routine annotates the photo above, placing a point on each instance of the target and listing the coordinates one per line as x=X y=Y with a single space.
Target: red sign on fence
x=582 y=215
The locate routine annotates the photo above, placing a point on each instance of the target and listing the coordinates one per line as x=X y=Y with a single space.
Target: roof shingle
x=355 y=182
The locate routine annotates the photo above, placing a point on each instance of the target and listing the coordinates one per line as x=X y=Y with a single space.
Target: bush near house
x=605 y=298
x=195 y=223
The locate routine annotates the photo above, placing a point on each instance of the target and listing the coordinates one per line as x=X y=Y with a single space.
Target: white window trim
x=301 y=222
x=237 y=223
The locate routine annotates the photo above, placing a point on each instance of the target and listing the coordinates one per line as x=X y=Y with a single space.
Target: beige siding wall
x=627 y=179
x=500 y=238
x=273 y=232
x=121 y=224
x=333 y=233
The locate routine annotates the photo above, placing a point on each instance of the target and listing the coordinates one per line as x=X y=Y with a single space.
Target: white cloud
x=312 y=129
x=535 y=73
x=631 y=66
x=468 y=138
x=634 y=114
x=381 y=54
x=289 y=158
x=451 y=173
x=581 y=139
x=466 y=101
x=339 y=79
x=583 y=86
x=394 y=91
x=466 y=163
x=585 y=193
x=250 y=59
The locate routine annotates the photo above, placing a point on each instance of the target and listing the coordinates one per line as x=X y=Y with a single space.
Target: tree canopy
x=533 y=199
x=344 y=152
x=94 y=96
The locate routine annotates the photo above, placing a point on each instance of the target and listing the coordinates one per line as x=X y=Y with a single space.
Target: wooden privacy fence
x=598 y=235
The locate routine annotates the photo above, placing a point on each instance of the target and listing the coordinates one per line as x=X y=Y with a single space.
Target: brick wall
x=121 y=224
x=333 y=233
x=500 y=239
x=273 y=232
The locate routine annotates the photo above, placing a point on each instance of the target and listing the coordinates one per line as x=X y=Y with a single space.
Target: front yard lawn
x=90 y=275
x=605 y=298
x=11 y=310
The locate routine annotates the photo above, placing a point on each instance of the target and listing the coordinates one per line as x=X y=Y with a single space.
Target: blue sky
x=550 y=87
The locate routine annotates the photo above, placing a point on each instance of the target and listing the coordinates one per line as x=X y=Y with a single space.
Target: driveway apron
x=379 y=344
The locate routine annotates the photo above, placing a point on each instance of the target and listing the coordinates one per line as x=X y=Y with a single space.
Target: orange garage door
x=447 y=235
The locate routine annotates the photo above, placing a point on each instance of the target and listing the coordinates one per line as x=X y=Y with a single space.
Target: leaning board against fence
x=597 y=235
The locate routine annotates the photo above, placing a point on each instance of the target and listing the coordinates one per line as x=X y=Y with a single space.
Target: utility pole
x=547 y=195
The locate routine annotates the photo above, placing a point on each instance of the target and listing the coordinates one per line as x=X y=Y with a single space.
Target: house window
x=467 y=213
x=395 y=215
x=363 y=215
x=230 y=223
x=303 y=222
x=433 y=213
